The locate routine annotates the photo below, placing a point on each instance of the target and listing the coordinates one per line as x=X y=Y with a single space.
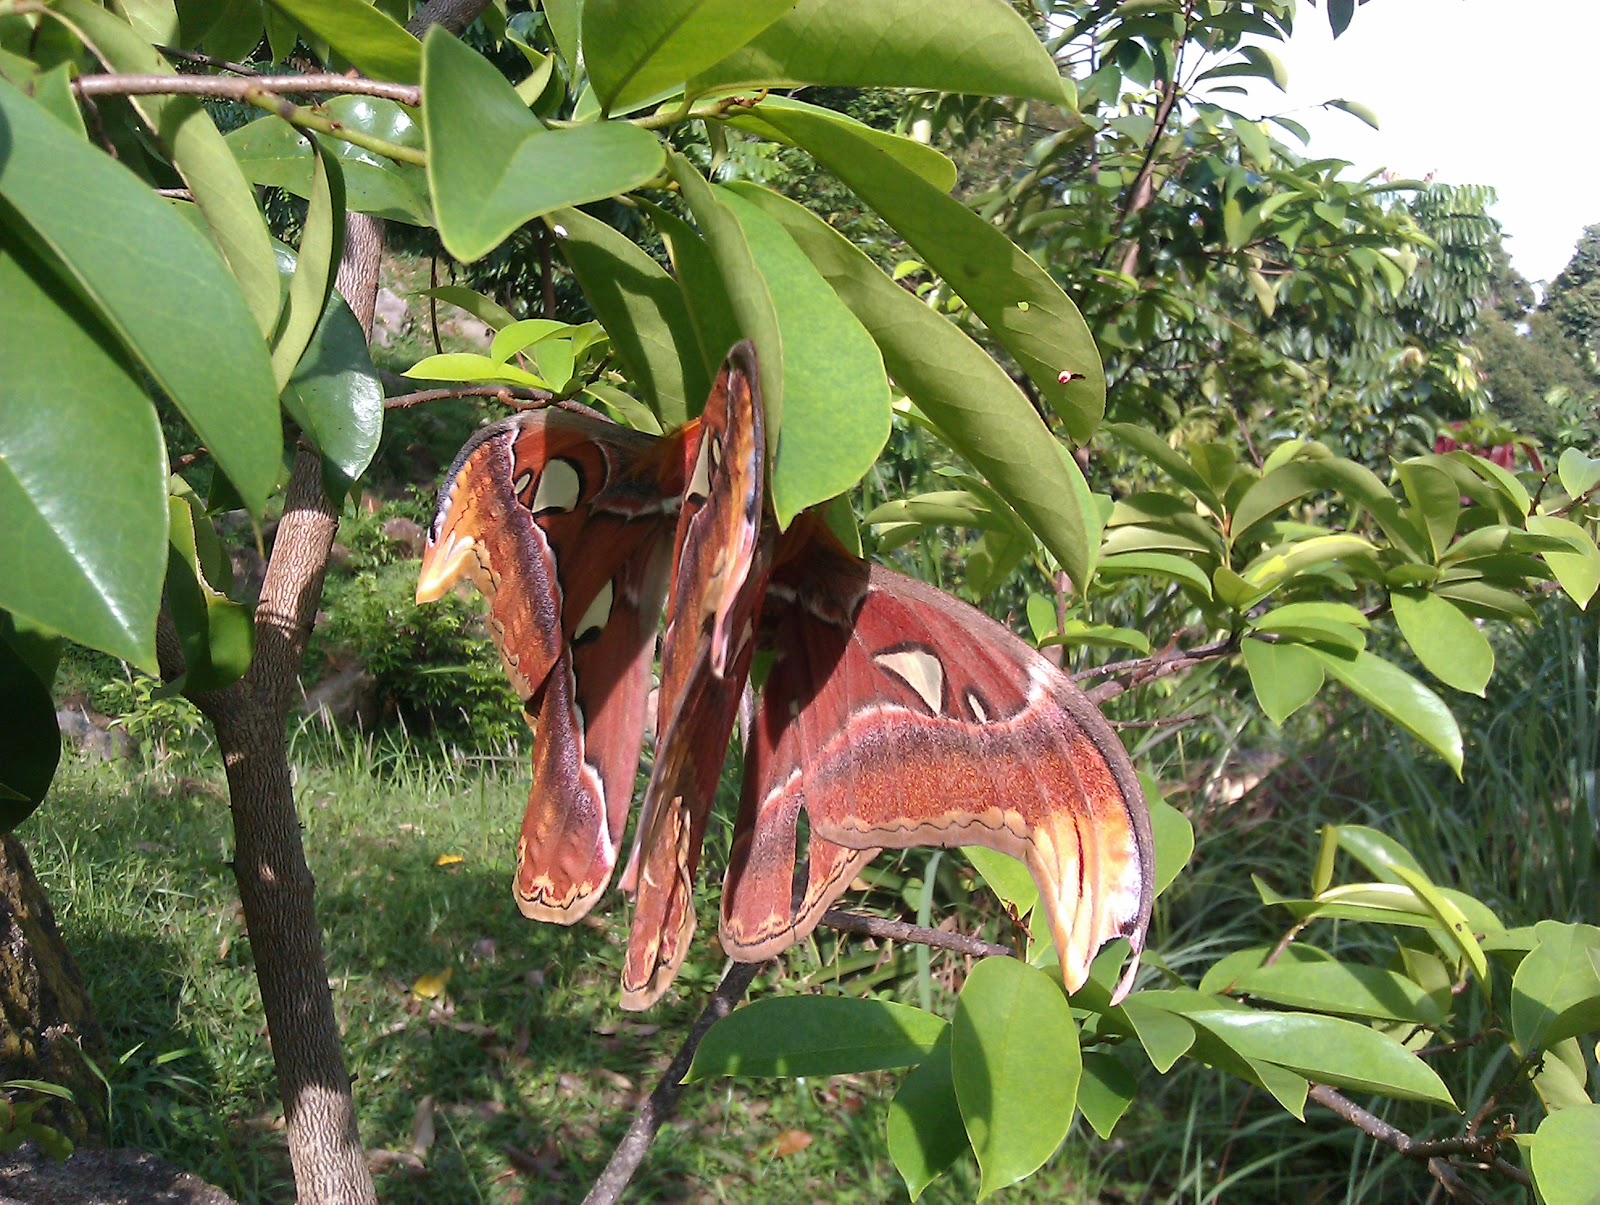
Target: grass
x=532 y=1069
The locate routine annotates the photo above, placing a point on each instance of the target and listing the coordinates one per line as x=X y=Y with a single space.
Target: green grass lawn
x=533 y=1070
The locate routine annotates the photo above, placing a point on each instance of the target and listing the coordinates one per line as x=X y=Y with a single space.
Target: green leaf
x=217 y=634
x=1324 y=985
x=1354 y=108
x=1436 y=497
x=1378 y=852
x=1555 y=993
x=1448 y=644
x=1165 y=1037
x=1153 y=564
x=643 y=311
x=1450 y=916
x=816 y=1035
x=83 y=508
x=1017 y=300
x=1579 y=473
x=975 y=47
x=932 y=165
x=637 y=52
x=198 y=151
x=316 y=263
x=271 y=151
x=30 y=743
x=1015 y=1060
x=959 y=387
x=1172 y=834
x=1007 y=877
x=1400 y=697
x=156 y=282
x=373 y=42
x=1278 y=565
x=835 y=395
x=1336 y=624
x=1148 y=444
x=1329 y=1050
x=1105 y=1092
x=1284 y=676
x=1577 y=570
x=626 y=409
x=468 y=366
x=737 y=287
x=492 y=166
x=925 y=1130
x=1562 y=1159
x=518 y=337
x=484 y=309
x=335 y=394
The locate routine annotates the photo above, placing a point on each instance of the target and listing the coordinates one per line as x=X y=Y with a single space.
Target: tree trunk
x=44 y=1011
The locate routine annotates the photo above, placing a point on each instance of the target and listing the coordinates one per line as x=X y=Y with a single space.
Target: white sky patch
x=1474 y=91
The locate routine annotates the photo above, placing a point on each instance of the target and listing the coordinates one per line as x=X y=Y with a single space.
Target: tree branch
x=656 y=1110
x=220 y=87
x=1130 y=675
x=894 y=930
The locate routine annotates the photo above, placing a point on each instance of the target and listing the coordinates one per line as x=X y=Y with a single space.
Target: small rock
x=406 y=533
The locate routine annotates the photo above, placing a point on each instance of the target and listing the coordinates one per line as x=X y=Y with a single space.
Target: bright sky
x=1476 y=91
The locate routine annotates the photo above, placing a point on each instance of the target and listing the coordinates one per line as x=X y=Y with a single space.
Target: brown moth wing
x=896 y=716
x=562 y=521
x=715 y=601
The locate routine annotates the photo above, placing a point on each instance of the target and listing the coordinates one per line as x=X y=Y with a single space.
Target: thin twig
x=895 y=930
x=518 y=399
x=206 y=60
x=221 y=87
x=1130 y=675
x=1483 y=1149
x=656 y=1110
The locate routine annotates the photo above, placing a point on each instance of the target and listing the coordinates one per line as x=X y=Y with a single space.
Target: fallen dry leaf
x=379 y=1162
x=422 y=1131
x=450 y=860
x=790 y=1142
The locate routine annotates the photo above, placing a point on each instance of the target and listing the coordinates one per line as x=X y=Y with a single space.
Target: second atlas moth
x=893 y=715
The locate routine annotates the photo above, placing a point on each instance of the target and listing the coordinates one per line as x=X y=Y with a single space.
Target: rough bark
x=45 y=1013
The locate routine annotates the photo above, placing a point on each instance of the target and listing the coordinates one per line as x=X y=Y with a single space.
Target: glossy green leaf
x=1105 y=1092
x=517 y=337
x=1437 y=499
x=737 y=288
x=933 y=166
x=1448 y=644
x=1576 y=569
x=1017 y=300
x=959 y=387
x=1349 y=989
x=335 y=393
x=1450 y=917
x=83 y=499
x=1165 y=1037
x=625 y=408
x=926 y=1134
x=199 y=152
x=1172 y=834
x=1148 y=444
x=835 y=392
x=1578 y=473
x=30 y=743
x=316 y=263
x=1329 y=1050
x=368 y=38
x=1503 y=481
x=484 y=309
x=976 y=47
x=1153 y=564
x=271 y=151
x=1562 y=1159
x=1278 y=565
x=1015 y=1060
x=492 y=166
x=1284 y=676
x=217 y=635
x=1278 y=488
x=1006 y=876
x=1377 y=851
x=1400 y=697
x=643 y=311
x=1555 y=993
x=156 y=282
x=1336 y=624
x=816 y=1035
x=636 y=52
x=468 y=366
